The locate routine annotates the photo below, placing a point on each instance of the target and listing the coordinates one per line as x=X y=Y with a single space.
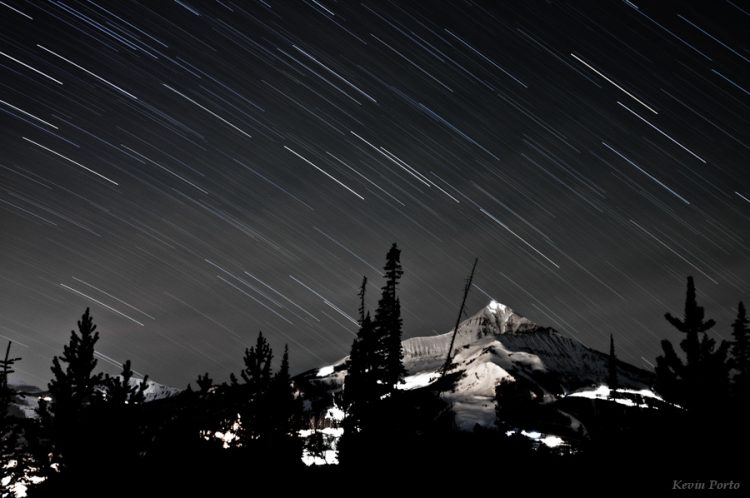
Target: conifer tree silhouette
x=361 y=294
x=121 y=391
x=76 y=383
x=286 y=415
x=257 y=360
x=120 y=419
x=252 y=393
x=12 y=460
x=361 y=387
x=73 y=389
x=704 y=375
x=282 y=399
x=388 y=324
x=374 y=368
x=741 y=354
x=208 y=410
x=204 y=383
x=7 y=393
x=612 y=380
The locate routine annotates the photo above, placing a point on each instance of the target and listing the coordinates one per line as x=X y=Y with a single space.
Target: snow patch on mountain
x=329 y=453
x=335 y=414
x=325 y=371
x=421 y=379
x=640 y=398
x=321 y=443
x=480 y=379
x=548 y=440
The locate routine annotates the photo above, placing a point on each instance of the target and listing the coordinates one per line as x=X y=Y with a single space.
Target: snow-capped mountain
x=155 y=391
x=494 y=345
x=26 y=405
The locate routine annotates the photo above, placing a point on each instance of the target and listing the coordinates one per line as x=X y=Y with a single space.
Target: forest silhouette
x=95 y=434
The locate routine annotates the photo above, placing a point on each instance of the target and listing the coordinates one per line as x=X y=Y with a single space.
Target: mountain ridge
x=25 y=406
x=494 y=345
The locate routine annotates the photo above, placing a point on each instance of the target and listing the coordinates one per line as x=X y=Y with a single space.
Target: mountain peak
x=498 y=318
x=492 y=346
x=496 y=307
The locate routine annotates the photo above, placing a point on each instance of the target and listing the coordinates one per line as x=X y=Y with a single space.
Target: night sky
x=198 y=171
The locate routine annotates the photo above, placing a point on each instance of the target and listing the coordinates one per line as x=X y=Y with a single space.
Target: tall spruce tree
x=388 y=324
x=704 y=375
x=73 y=389
x=375 y=367
x=361 y=387
x=612 y=380
x=286 y=415
x=741 y=353
x=281 y=397
x=362 y=307
x=257 y=370
x=252 y=393
x=75 y=385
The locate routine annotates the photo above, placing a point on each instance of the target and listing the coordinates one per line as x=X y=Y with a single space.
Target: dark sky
x=198 y=171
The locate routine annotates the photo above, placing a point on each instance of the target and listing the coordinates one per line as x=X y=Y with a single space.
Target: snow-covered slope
x=499 y=336
x=25 y=406
x=155 y=391
x=496 y=344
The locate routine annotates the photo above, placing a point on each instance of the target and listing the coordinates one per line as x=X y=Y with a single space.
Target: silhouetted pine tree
x=257 y=360
x=286 y=415
x=76 y=383
x=7 y=393
x=182 y=442
x=204 y=382
x=119 y=419
x=73 y=390
x=12 y=460
x=388 y=324
x=362 y=307
x=120 y=391
x=252 y=394
x=282 y=397
x=375 y=367
x=212 y=408
x=704 y=376
x=200 y=414
x=612 y=380
x=361 y=387
x=741 y=353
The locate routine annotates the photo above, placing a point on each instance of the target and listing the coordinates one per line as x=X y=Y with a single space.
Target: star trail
x=196 y=171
